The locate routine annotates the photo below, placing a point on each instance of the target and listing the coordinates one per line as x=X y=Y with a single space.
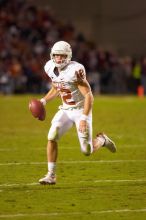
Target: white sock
x=51 y=167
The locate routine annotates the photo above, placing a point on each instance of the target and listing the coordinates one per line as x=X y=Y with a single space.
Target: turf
x=102 y=186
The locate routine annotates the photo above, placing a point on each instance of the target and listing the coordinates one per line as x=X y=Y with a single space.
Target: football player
x=69 y=82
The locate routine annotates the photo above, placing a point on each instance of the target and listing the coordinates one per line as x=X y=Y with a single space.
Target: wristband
x=84 y=117
x=43 y=101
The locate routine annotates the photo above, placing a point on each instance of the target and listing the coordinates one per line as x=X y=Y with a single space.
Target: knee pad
x=53 y=134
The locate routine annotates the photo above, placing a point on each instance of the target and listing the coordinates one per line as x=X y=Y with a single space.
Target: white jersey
x=66 y=83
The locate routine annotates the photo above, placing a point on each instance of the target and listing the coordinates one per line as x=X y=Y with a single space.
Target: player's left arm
x=85 y=89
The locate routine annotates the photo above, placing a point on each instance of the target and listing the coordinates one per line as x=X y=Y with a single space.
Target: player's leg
x=52 y=150
x=85 y=138
x=102 y=140
x=89 y=145
x=60 y=124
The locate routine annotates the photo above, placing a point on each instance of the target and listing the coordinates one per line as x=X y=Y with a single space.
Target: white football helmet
x=63 y=48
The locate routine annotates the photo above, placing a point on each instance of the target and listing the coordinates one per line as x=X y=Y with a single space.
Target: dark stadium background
x=108 y=37
x=119 y=24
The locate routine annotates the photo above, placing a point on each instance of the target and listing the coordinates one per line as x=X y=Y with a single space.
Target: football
x=37 y=109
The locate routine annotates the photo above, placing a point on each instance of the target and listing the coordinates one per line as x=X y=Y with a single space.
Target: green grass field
x=102 y=186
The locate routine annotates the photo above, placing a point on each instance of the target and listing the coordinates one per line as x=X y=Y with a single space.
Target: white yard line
x=18 y=184
x=74 y=162
x=63 y=148
x=67 y=183
x=102 y=161
x=115 y=181
x=71 y=213
x=23 y=163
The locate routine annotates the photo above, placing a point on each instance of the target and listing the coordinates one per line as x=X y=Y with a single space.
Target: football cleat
x=109 y=144
x=50 y=178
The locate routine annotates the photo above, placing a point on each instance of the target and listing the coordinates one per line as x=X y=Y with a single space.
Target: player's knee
x=53 y=134
x=86 y=149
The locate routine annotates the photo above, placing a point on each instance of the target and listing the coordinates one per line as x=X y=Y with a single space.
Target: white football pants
x=64 y=120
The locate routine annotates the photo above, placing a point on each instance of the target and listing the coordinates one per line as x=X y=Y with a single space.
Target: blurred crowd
x=27 y=32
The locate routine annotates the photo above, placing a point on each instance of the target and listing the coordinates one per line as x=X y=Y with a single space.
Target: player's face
x=59 y=58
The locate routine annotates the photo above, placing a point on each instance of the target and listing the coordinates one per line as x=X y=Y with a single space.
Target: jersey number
x=67 y=97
